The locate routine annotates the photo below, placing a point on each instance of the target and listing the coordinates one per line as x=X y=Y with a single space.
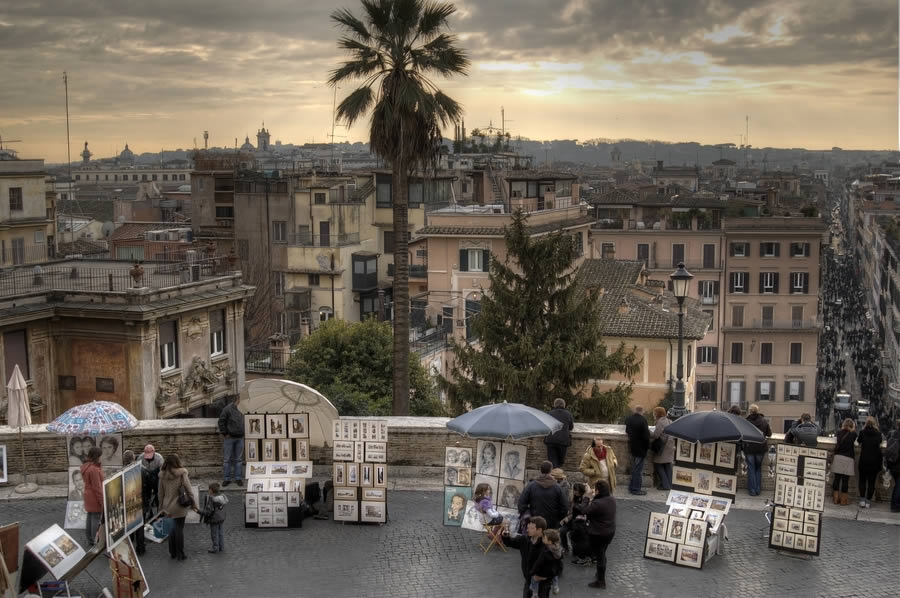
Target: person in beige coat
x=662 y=460
x=599 y=463
x=173 y=476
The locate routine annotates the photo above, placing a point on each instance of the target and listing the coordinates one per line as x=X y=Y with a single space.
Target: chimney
x=623 y=307
x=770 y=198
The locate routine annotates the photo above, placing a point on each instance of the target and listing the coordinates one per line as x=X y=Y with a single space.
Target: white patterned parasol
x=268 y=395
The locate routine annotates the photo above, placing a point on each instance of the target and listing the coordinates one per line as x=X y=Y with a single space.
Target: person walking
x=638 y=444
x=175 y=498
x=892 y=460
x=870 y=461
x=214 y=516
x=756 y=451
x=558 y=443
x=544 y=498
x=231 y=426
x=92 y=475
x=842 y=465
x=599 y=463
x=530 y=545
x=601 y=516
x=663 y=447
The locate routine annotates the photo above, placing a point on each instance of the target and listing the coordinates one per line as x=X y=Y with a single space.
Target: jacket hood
x=755 y=417
x=556 y=550
x=545 y=480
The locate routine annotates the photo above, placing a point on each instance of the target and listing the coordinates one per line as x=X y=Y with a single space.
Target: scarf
x=600 y=452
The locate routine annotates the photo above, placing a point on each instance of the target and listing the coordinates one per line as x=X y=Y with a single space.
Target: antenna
x=205 y=139
x=8 y=141
x=333 y=123
x=69 y=160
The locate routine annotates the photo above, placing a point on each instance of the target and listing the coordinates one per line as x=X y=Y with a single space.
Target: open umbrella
x=18 y=416
x=504 y=421
x=96 y=418
x=268 y=395
x=714 y=426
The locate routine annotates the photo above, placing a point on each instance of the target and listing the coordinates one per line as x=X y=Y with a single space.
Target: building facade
x=27 y=213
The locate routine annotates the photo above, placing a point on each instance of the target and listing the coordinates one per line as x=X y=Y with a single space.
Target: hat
x=558 y=474
x=149 y=451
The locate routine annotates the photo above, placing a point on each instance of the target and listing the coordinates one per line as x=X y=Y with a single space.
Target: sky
x=156 y=73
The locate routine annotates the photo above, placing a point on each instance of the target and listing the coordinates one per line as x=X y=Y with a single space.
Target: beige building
x=27 y=212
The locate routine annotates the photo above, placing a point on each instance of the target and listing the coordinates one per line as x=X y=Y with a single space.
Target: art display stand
x=360 y=470
x=795 y=526
x=276 y=451
x=52 y=544
x=692 y=530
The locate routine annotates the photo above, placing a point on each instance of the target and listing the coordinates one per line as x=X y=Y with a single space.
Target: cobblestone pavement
x=414 y=555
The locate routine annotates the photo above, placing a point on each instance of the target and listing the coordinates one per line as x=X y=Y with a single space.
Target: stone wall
x=415 y=449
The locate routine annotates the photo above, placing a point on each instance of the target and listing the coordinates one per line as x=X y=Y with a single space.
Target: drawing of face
x=457 y=504
x=109 y=447
x=78 y=481
x=77 y=450
x=488 y=456
x=512 y=461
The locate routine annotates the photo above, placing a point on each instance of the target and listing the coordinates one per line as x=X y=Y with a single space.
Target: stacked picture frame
x=499 y=464
x=709 y=469
x=360 y=470
x=796 y=521
x=278 y=466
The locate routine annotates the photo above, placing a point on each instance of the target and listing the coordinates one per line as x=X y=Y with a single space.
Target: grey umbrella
x=714 y=426
x=504 y=421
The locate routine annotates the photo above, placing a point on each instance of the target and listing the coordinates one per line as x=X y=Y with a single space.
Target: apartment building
x=27 y=212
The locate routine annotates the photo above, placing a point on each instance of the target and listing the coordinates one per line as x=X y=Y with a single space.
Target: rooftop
x=788 y=223
x=498 y=231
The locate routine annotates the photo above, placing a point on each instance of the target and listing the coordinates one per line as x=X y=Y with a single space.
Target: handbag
x=657 y=445
x=183 y=498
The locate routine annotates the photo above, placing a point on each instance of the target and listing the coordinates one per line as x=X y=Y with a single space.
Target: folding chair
x=493 y=535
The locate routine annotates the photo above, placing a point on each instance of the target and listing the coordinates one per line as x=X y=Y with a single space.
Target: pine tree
x=538 y=332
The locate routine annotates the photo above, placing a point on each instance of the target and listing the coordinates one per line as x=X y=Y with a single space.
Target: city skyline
x=156 y=75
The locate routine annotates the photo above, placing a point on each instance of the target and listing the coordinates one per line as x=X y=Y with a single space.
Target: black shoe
x=597 y=584
x=211 y=551
x=239 y=482
x=225 y=483
x=182 y=557
x=639 y=492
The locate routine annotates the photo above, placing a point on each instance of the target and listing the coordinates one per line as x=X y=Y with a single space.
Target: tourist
x=558 y=443
x=663 y=447
x=805 y=432
x=544 y=498
x=530 y=546
x=151 y=464
x=599 y=463
x=756 y=451
x=573 y=528
x=638 y=444
x=870 y=461
x=231 y=426
x=560 y=476
x=892 y=460
x=548 y=566
x=601 y=515
x=173 y=477
x=842 y=465
x=92 y=474
x=214 y=516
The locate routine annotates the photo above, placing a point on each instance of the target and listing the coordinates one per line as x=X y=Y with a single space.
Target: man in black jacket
x=530 y=547
x=544 y=498
x=558 y=442
x=756 y=451
x=638 y=443
x=231 y=426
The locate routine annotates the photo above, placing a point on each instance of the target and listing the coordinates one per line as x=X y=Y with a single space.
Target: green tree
x=538 y=331
x=350 y=363
x=394 y=48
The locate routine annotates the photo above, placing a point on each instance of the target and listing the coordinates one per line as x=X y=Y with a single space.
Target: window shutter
x=731 y=249
x=486 y=260
x=772 y=392
x=806 y=249
x=712 y=390
x=762 y=250
x=801 y=390
x=743 y=393
x=777 y=249
x=697 y=391
x=787 y=390
x=748 y=289
x=716 y=288
x=700 y=287
x=776 y=283
x=731 y=283
x=463 y=260
x=715 y=355
x=758 y=391
x=761 y=281
x=806 y=282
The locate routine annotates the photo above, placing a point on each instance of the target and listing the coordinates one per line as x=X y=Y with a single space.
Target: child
x=214 y=515
x=548 y=565
x=485 y=505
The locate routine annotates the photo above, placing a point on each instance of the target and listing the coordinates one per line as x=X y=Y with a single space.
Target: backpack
x=892 y=450
x=211 y=512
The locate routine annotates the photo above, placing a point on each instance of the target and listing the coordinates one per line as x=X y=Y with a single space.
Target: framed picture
x=343 y=450
x=776 y=538
x=297 y=485
x=714 y=519
x=76 y=483
x=689 y=556
x=376 y=452
x=812 y=545
x=811 y=518
x=345 y=493
x=337 y=477
x=795 y=527
x=788 y=540
x=509 y=492
x=795 y=514
x=660 y=550
x=510 y=520
x=301 y=449
x=488 y=456
x=257 y=485
x=706 y=454
x=703 y=481
x=298 y=425
x=780 y=525
x=679 y=511
x=254 y=426
x=366 y=476
x=346 y=510
x=683 y=477
x=780 y=513
x=3 y=470
x=279 y=520
x=336 y=431
x=698 y=515
x=133 y=499
x=457 y=456
x=251 y=500
x=251 y=515
x=815 y=474
x=76 y=516
x=724 y=483
x=373 y=511
x=251 y=450
x=301 y=469
x=382 y=431
x=345 y=430
x=114 y=510
x=56 y=549
x=279 y=469
x=265 y=498
x=279 y=498
x=725 y=454
x=512 y=462
x=677 y=526
x=380 y=475
x=276 y=425
x=473 y=518
x=696 y=532
x=489 y=480
x=677 y=497
x=699 y=502
x=265 y=520
x=293 y=499
x=352 y=474
x=354 y=431
x=284 y=450
x=278 y=484
x=257 y=470
x=657 y=526
x=810 y=529
x=364 y=433
x=359 y=452
x=684 y=452
x=720 y=504
x=268 y=450
x=379 y=494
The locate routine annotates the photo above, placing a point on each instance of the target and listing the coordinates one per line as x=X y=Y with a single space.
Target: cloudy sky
x=156 y=73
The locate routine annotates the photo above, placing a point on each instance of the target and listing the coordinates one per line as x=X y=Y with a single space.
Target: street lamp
x=681 y=280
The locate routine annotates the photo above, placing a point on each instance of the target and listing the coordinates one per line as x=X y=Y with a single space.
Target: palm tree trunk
x=400 y=193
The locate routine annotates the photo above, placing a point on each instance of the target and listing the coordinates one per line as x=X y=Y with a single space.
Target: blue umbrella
x=714 y=426
x=504 y=421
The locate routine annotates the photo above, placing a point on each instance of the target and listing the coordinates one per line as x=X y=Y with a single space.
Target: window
x=325 y=314
x=800 y=283
x=799 y=249
x=15 y=352
x=415 y=194
x=768 y=316
x=796 y=353
x=708 y=291
x=133 y=177
x=712 y=318
x=199 y=183
x=313 y=280
x=168 y=345
x=765 y=354
x=474 y=260
x=736 y=392
x=15 y=199
x=709 y=255
x=765 y=390
x=165 y=177
x=143 y=177
x=796 y=316
x=677 y=254
x=319 y=198
x=216 y=332
x=793 y=390
x=707 y=355
x=769 y=249
x=278 y=283
x=579 y=244
x=153 y=177
x=768 y=283
x=607 y=250
x=38 y=237
x=740 y=249
x=224 y=212
x=105 y=385
x=737 y=316
x=279 y=231
x=389 y=241
x=739 y=282
x=180 y=177
x=737 y=353
x=383 y=191
x=643 y=253
x=77 y=177
x=706 y=390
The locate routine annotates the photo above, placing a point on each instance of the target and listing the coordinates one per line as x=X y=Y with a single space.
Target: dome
x=247 y=145
x=127 y=154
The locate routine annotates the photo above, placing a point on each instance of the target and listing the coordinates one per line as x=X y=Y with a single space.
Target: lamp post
x=681 y=280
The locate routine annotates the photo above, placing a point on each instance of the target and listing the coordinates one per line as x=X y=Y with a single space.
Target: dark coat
x=638 y=434
x=870 y=457
x=231 y=421
x=601 y=514
x=547 y=564
x=758 y=448
x=804 y=433
x=544 y=498
x=528 y=552
x=844 y=444
x=562 y=436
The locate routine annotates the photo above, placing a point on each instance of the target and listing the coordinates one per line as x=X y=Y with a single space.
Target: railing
x=310 y=240
x=664 y=264
x=608 y=223
x=709 y=300
x=362 y=193
x=265 y=360
x=783 y=324
x=428 y=345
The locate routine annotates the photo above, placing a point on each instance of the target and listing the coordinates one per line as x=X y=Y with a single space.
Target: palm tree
x=393 y=49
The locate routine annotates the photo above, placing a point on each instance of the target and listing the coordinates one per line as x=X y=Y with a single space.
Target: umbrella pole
x=25 y=487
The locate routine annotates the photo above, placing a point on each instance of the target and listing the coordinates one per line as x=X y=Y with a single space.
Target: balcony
x=764 y=324
x=709 y=300
x=609 y=224
x=415 y=271
x=310 y=240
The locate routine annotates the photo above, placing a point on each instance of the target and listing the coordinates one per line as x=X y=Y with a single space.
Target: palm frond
x=434 y=18
x=447 y=110
x=348 y=21
x=378 y=14
x=406 y=17
x=355 y=105
x=441 y=55
x=354 y=70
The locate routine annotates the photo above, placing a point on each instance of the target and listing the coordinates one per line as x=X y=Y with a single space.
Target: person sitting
x=485 y=505
x=805 y=433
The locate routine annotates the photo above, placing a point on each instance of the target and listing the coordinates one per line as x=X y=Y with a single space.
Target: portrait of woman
x=76 y=454
x=112 y=450
x=509 y=493
x=487 y=458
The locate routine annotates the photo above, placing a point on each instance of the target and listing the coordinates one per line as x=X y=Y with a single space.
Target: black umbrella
x=714 y=426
